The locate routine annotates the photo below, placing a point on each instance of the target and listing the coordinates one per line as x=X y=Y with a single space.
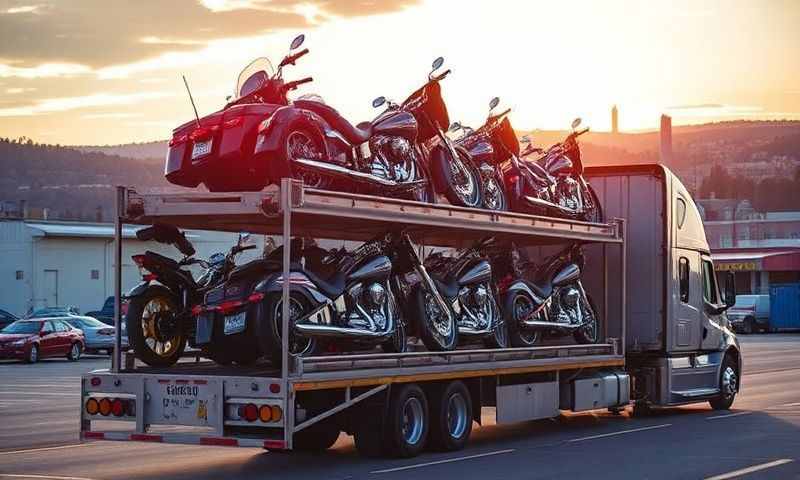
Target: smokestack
x=666 y=140
x=614 y=120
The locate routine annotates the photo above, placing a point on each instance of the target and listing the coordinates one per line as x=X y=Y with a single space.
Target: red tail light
x=149 y=277
x=138 y=260
x=117 y=407
x=233 y=122
x=256 y=297
x=197 y=310
x=248 y=412
x=178 y=140
x=202 y=133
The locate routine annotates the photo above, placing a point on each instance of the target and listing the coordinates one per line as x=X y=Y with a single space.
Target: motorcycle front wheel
x=270 y=326
x=593 y=212
x=494 y=196
x=462 y=182
x=154 y=328
x=587 y=333
x=437 y=329
x=499 y=337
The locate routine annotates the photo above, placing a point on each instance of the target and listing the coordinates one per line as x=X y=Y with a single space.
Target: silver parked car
x=99 y=336
x=750 y=313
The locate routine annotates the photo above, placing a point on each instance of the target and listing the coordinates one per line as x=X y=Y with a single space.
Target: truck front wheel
x=728 y=385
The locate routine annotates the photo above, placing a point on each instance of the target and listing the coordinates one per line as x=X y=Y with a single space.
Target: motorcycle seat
x=356 y=135
x=257 y=268
x=332 y=287
x=448 y=287
x=543 y=290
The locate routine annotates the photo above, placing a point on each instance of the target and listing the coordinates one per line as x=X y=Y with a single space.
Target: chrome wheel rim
x=75 y=352
x=297 y=345
x=300 y=145
x=153 y=320
x=522 y=307
x=729 y=382
x=457 y=420
x=463 y=182
x=492 y=194
x=413 y=421
x=442 y=326
x=34 y=355
x=590 y=328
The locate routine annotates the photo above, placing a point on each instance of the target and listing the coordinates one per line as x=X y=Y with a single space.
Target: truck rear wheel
x=407 y=422
x=728 y=385
x=451 y=417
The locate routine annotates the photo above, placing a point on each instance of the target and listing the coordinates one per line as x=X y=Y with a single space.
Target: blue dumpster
x=784 y=300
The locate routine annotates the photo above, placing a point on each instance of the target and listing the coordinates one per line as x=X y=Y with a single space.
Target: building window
x=95 y=274
x=680 y=212
x=683 y=276
x=20 y=275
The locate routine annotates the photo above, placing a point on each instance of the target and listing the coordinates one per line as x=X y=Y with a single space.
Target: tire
x=433 y=340
x=302 y=142
x=270 y=323
x=587 y=335
x=318 y=437
x=163 y=299
x=595 y=214
x=407 y=422
x=470 y=194
x=515 y=304
x=451 y=417
x=499 y=337
x=33 y=354
x=728 y=384
x=493 y=194
x=399 y=341
x=74 y=353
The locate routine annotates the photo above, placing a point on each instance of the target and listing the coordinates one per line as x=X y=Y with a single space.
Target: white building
x=47 y=263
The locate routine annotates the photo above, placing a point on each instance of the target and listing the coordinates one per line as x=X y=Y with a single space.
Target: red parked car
x=30 y=340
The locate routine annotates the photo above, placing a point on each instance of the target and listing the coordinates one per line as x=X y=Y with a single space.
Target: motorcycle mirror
x=437 y=64
x=378 y=102
x=244 y=238
x=576 y=122
x=228 y=98
x=298 y=40
x=494 y=103
x=526 y=139
x=455 y=126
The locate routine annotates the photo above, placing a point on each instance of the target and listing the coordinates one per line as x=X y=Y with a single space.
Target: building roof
x=755 y=259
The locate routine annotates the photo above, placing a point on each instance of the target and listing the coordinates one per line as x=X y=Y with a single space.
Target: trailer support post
x=116 y=360
x=286 y=207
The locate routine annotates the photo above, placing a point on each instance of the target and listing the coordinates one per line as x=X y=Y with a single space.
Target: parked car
x=98 y=335
x=750 y=313
x=106 y=313
x=7 y=318
x=53 y=312
x=30 y=340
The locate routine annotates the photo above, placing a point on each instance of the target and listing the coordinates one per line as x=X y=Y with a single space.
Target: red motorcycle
x=262 y=136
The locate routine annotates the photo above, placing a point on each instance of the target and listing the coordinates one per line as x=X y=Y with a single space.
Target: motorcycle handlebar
x=581 y=132
x=294 y=84
x=443 y=75
x=289 y=60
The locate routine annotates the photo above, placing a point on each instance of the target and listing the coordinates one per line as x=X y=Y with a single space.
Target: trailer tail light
x=274 y=388
x=105 y=407
x=265 y=413
x=92 y=406
x=250 y=412
x=277 y=413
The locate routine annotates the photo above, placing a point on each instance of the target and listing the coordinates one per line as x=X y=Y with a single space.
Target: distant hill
x=155 y=149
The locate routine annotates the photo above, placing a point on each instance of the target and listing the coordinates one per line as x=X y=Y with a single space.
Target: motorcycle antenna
x=196 y=116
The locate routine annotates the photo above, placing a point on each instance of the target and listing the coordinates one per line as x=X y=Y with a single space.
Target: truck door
x=685 y=336
x=712 y=322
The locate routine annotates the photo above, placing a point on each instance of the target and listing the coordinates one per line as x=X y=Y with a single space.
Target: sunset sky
x=109 y=71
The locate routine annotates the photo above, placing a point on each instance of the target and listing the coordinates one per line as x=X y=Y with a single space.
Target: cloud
x=44 y=70
x=63 y=104
x=92 y=34
x=19 y=90
x=699 y=105
x=114 y=115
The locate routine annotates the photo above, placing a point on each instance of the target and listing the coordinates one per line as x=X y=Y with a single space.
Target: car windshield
x=50 y=312
x=85 y=323
x=23 y=327
x=253 y=77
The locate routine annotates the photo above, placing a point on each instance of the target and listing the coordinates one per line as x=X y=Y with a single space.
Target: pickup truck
x=750 y=313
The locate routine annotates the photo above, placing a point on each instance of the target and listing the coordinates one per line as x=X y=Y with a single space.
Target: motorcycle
x=465 y=281
x=548 y=297
x=552 y=185
x=158 y=320
x=489 y=146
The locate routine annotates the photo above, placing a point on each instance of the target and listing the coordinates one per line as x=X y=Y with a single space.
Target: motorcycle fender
x=138 y=290
x=440 y=158
x=273 y=139
x=298 y=283
x=522 y=286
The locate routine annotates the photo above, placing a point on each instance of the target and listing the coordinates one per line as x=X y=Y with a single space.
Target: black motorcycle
x=465 y=281
x=553 y=184
x=544 y=297
x=404 y=152
x=492 y=144
x=158 y=320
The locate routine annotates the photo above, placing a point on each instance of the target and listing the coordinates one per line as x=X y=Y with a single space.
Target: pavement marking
x=41 y=477
x=603 y=435
x=439 y=462
x=44 y=449
x=49 y=394
x=729 y=415
x=754 y=468
x=795 y=404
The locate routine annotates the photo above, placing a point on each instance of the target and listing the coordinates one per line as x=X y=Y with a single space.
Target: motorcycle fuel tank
x=377 y=268
x=570 y=273
x=559 y=165
x=477 y=273
x=401 y=124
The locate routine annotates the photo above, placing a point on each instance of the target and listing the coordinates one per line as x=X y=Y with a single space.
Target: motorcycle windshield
x=253 y=77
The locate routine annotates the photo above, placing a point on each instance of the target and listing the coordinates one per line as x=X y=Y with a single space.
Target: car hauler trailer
x=390 y=401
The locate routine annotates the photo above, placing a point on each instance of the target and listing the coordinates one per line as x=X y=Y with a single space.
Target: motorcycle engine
x=569 y=194
x=392 y=157
x=372 y=300
x=570 y=311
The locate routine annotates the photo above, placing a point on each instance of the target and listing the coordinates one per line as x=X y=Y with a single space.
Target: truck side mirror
x=730 y=289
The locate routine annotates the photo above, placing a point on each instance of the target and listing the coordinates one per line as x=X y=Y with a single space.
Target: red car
x=30 y=340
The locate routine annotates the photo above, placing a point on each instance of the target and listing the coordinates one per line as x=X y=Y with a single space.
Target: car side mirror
x=455 y=126
x=730 y=289
x=44 y=333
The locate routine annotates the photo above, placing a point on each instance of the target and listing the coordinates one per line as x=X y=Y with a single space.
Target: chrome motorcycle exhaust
x=538 y=202
x=363 y=177
x=311 y=330
x=539 y=325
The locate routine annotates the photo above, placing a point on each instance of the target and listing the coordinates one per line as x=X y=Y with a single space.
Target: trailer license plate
x=235 y=323
x=201 y=149
x=184 y=403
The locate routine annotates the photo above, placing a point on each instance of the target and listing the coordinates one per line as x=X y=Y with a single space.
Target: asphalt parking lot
x=758 y=438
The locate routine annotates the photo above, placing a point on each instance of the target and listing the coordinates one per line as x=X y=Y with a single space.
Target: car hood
x=10 y=337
